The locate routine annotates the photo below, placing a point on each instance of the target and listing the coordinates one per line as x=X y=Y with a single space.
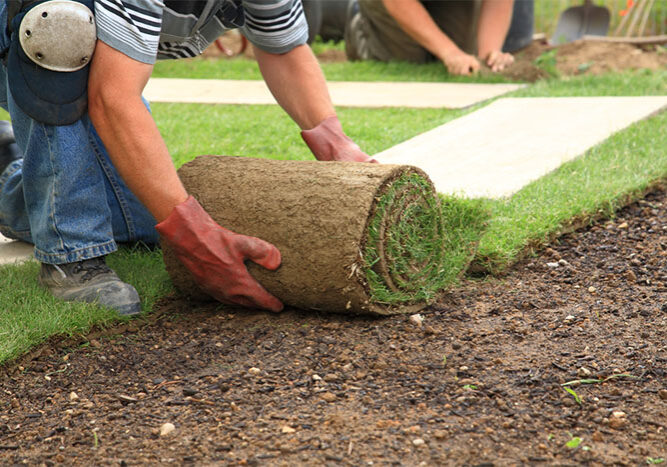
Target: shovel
x=577 y=21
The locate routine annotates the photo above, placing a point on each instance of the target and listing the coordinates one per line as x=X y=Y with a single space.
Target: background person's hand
x=498 y=61
x=216 y=256
x=461 y=63
x=328 y=142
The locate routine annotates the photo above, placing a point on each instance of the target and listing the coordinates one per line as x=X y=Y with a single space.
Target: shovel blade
x=575 y=22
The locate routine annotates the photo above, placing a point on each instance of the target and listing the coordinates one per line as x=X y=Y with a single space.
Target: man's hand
x=460 y=63
x=498 y=61
x=493 y=23
x=328 y=142
x=215 y=256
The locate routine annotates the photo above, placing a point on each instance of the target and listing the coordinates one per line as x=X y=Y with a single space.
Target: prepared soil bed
x=478 y=382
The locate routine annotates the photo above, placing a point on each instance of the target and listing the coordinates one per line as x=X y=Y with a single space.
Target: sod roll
x=354 y=238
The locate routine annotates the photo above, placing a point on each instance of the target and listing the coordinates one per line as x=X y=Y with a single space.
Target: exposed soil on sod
x=478 y=382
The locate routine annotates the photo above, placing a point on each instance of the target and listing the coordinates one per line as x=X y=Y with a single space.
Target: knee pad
x=51 y=47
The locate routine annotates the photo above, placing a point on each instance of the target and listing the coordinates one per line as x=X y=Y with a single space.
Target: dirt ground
x=584 y=57
x=478 y=382
x=575 y=58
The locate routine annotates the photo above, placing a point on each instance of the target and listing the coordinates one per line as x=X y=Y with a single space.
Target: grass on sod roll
x=590 y=186
x=405 y=243
x=418 y=243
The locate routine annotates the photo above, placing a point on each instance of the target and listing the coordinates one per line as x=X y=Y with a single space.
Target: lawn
x=594 y=185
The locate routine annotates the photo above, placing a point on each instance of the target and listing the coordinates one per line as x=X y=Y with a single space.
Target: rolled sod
x=354 y=238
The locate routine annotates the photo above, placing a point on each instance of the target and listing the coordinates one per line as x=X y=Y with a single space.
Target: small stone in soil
x=583 y=372
x=617 y=423
x=166 y=429
x=630 y=275
x=417 y=319
x=126 y=399
x=328 y=396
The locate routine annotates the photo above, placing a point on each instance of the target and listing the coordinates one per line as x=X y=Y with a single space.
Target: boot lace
x=90 y=268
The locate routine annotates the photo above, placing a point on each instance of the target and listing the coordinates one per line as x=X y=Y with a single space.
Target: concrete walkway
x=498 y=149
x=14 y=252
x=343 y=94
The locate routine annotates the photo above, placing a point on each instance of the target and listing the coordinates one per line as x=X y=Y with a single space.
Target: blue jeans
x=520 y=33
x=65 y=196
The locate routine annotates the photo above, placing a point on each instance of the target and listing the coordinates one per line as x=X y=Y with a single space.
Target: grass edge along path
x=611 y=175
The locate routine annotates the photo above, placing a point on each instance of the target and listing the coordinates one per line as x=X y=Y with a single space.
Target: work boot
x=90 y=281
x=351 y=31
x=9 y=151
x=356 y=42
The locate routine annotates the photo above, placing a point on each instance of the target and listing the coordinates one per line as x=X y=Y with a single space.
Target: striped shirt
x=149 y=30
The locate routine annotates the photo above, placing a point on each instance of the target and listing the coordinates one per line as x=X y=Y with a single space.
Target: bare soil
x=585 y=57
x=478 y=382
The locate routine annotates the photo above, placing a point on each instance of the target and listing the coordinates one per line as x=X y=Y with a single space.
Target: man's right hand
x=460 y=63
x=498 y=61
x=216 y=256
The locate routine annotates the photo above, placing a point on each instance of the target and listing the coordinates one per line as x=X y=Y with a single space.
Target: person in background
x=462 y=34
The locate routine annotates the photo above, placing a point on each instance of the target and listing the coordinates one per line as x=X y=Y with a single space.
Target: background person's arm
x=494 y=22
x=415 y=20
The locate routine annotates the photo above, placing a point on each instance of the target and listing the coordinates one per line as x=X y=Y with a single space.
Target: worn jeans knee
x=65 y=196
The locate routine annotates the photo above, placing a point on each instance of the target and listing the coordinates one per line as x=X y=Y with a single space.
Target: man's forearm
x=494 y=22
x=129 y=132
x=296 y=81
x=140 y=156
